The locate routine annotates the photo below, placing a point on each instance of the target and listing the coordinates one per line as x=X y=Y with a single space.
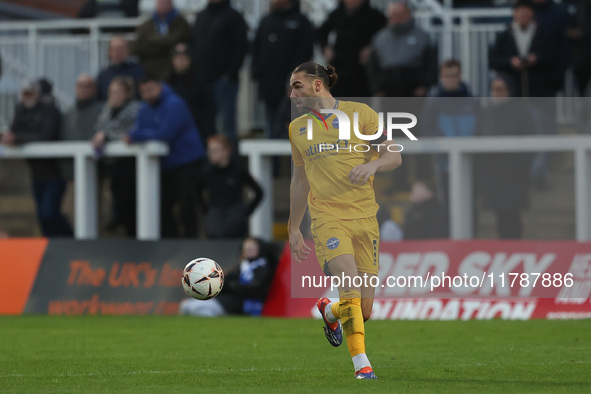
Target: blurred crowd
x=178 y=82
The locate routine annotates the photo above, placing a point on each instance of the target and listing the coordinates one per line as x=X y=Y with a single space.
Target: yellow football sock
x=349 y=311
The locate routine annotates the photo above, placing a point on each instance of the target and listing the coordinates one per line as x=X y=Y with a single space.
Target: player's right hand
x=299 y=249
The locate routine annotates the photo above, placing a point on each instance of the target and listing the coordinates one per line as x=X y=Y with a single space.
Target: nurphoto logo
x=343 y=123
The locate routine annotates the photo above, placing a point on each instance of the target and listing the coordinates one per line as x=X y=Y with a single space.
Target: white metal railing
x=460 y=151
x=85 y=180
x=259 y=152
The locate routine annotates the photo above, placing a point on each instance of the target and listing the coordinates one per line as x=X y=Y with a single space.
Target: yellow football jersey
x=329 y=160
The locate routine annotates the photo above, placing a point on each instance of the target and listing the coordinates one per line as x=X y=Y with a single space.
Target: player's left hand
x=299 y=249
x=361 y=174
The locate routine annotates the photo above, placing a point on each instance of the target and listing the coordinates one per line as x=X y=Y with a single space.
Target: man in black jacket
x=219 y=40
x=34 y=121
x=531 y=57
x=345 y=38
x=284 y=39
x=222 y=184
x=527 y=53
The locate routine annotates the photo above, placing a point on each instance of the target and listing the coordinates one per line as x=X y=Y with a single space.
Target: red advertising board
x=456 y=280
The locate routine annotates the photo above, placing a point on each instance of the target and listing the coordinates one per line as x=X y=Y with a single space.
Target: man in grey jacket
x=402 y=62
x=80 y=119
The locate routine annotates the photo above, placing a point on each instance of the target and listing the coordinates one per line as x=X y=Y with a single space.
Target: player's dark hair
x=327 y=75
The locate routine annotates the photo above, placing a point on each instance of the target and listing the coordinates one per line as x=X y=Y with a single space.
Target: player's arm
x=389 y=160
x=298 y=200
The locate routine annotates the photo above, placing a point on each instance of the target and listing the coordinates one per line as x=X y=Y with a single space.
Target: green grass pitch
x=183 y=354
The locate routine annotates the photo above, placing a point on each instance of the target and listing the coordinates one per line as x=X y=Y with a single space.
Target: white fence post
x=583 y=194
x=95 y=44
x=262 y=219
x=460 y=195
x=33 y=44
x=148 y=196
x=85 y=197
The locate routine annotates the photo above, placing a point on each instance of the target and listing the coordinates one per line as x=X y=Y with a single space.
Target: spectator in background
x=46 y=94
x=389 y=230
x=425 y=219
x=222 y=185
x=283 y=40
x=36 y=121
x=554 y=19
x=157 y=37
x=185 y=82
x=282 y=117
x=164 y=116
x=450 y=111
x=80 y=119
x=526 y=53
x=579 y=33
x=530 y=56
x=219 y=40
x=402 y=58
x=116 y=119
x=502 y=179
x=245 y=285
x=109 y=8
x=345 y=38
x=122 y=64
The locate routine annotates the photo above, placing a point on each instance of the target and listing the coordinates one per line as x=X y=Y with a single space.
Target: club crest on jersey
x=335 y=123
x=333 y=243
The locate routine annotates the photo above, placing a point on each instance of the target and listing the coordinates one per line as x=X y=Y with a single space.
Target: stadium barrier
x=65 y=277
x=260 y=152
x=85 y=180
x=501 y=267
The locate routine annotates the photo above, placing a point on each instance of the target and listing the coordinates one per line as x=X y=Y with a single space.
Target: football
x=203 y=279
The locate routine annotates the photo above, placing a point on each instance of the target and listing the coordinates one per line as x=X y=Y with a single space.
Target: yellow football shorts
x=358 y=237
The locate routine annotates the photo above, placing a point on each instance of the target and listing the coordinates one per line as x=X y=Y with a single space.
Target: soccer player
x=337 y=186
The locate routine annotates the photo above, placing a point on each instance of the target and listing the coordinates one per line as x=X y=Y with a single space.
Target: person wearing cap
x=164 y=116
x=35 y=121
